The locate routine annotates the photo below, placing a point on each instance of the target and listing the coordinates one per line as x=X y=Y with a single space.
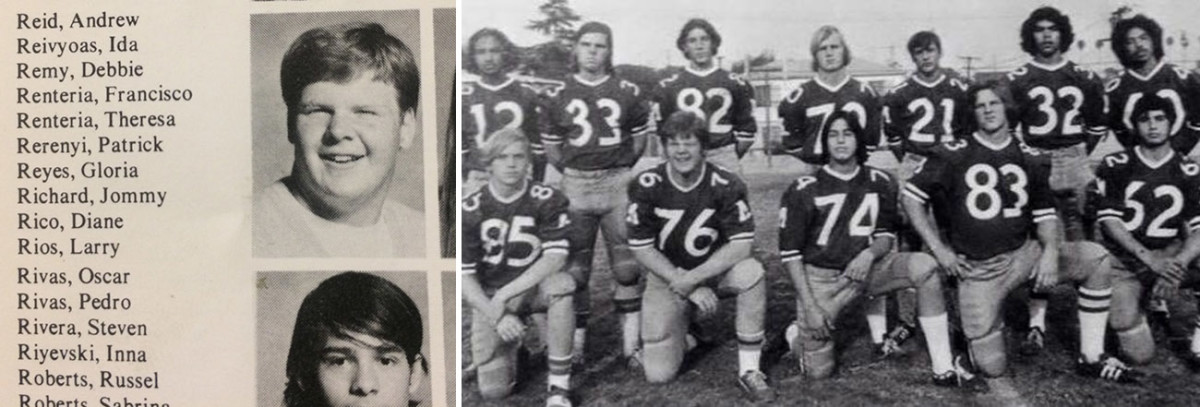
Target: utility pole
x=970 y=60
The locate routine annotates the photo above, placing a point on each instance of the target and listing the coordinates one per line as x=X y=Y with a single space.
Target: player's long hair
x=1121 y=29
x=1051 y=14
x=1150 y=103
x=683 y=123
x=508 y=59
x=594 y=27
x=349 y=302
x=822 y=33
x=703 y=25
x=341 y=53
x=860 y=135
x=498 y=141
x=923 y=39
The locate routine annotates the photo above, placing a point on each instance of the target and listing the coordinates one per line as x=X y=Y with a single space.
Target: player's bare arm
x=921 y=222
x=1046 y=275
x=548 y=264
x=1115 y=231
x=859 y=268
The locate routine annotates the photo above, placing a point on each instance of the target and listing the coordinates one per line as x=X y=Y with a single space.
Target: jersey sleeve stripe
x=468 y=268
x=743 y=135
x=742 y=236
x=913 y=192
x=1194 y=126
x=793 y=257
x=1097 y=130
x=1046 y=217
x=640 y=243
x=555 y=244
x=1194 y=224
x=554 y=250
x=883 y=233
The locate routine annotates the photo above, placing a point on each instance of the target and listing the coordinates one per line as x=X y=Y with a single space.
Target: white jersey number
x=579 y=116
x=988 y=187
x=691 y=100
x=862 y=222
x=520 y=231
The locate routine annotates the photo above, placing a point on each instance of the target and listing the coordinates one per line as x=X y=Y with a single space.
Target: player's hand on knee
x=510 y=328
x=1165 y=267
x=949 y=262
x=860 y=267
x=1045 y=276
x=1164 y=289
x=706 y=301
x=684 y=284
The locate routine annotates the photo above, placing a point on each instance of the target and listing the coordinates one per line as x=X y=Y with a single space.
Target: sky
x=644 y=30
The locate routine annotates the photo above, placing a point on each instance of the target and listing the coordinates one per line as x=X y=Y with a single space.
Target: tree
x=559 y=21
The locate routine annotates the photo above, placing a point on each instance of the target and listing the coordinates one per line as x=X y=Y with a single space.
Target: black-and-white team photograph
x=832 y=203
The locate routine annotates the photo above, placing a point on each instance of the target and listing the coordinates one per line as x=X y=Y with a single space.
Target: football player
x=806 y=110
x=515 y=245
x=1138 y=45
x=989 y=193
x=690 y=225
x=600 y=122
x=495 y=101
x=836 y=242
x=722 y=98
x=1060 y=110
x=1148 y=206
x=927 y=109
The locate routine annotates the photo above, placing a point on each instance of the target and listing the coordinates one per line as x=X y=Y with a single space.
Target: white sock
x=937 y=339
x=1037 y=313
x=560 y=380
x=1093 y=318
x=877 y=318
x=1196 y=337
x=580 y=340
x=631 y=328
x=748 y=360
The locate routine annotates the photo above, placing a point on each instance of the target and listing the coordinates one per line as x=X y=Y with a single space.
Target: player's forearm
x=742 y=146
x=880 y=246
x=473 y=294
x=639 y=145
x=553 y=155
x=1047 y=235
x=1115 y=231
x=796 y=271
x=921 y=223
x=723 y=260
x=548 y=264
x=1191 y=248
x=656 y=262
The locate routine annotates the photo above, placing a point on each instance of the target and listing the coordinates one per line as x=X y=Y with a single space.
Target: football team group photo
x=793 y=203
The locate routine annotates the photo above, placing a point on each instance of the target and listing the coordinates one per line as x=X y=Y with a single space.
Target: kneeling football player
x=691 y=226
x=989 y=193
x=836 y=242
x=1148 y=206
x=514 y=251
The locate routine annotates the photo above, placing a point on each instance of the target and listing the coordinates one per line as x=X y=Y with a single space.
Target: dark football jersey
x=987 y=197
x=502 y=238
x=595 y=122
x=1057 y=106
x=1176 y=85
x=806 y=108
x=723 y=99
x=486 y=109
x=688 y=225
x=921 y=115
x=1158 y=202
x=828 y=218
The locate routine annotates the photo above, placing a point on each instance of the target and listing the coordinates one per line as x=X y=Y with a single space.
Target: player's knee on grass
x=496 y=363
x=817 y=360
x=625 y=268
x=987 y=352
x=1126 y=318
x=745 y=275
x=663 y=341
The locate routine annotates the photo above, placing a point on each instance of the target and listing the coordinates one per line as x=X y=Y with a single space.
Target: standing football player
x=723 y=99
x=924 y=111
x=691 y=226
x=989 y=193
x=495 y=101
x=600 y=122
x=836 y=242
x=1148 y=206
x=806 y=110
x=1060 y=110
x=1138 y=45
x=515 y=244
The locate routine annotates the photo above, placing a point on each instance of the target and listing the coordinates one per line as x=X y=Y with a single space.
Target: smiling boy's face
x=360 y=370
x=347 y=137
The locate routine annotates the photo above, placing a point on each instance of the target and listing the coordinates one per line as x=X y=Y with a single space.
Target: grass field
x=709 y=377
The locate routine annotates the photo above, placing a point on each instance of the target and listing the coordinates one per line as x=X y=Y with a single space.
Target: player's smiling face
x=489 y=55
x=510 y=166
x=989 y=111
x=347 y=137
x=684 y=153
x=841 y=142
x=699 y=46
x=831 y=54
x=363 y=370
x=592 y=52
x=1138 y=45
x=1154 y=127
x=1047 y=38
x=927 y=59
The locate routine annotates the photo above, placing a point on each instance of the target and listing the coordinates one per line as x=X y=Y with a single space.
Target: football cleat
x=754 y=384
x=893 y=341
x=1035 y=342
x=1108 y=368
x=558 y=397
x=634 y=363
x=961 y=377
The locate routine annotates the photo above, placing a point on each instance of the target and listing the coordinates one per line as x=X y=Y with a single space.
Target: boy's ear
x=418 y=381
